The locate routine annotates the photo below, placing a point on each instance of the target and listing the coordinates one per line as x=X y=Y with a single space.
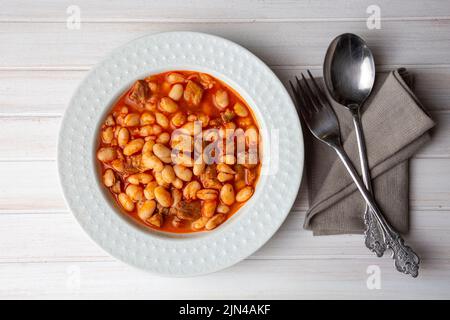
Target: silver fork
x=321 y=120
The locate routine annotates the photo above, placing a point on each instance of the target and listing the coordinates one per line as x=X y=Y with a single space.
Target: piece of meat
x=227 y=116
x=216 y=123
x=177 y=222
x=140 y=92
x=193 y=93
x=209 y=178
x=188 y=210
x=163 y=210
x=133 y=165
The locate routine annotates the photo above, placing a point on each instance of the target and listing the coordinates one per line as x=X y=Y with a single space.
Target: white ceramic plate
x=245 y=231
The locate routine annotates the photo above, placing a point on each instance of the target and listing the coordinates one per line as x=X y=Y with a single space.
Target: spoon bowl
x=349 y=70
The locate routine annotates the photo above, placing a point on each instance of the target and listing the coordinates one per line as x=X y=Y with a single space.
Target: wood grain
x=250 y=279
x=207 y=10
x=30 y=186
x=38 y=93
x=282 y=43
x=34 y=138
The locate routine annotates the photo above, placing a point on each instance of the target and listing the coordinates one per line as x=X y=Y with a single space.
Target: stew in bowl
x=180 y=152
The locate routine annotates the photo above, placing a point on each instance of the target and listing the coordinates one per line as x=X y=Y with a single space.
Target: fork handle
x=374 y=238
x=406 y=260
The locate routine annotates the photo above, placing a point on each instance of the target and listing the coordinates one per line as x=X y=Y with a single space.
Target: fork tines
x=316 y=110
x=309 y=98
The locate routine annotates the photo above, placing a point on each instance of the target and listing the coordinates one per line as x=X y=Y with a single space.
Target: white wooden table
x=45 y=254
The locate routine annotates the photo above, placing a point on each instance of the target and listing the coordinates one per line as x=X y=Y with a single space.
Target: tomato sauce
x=171 y=194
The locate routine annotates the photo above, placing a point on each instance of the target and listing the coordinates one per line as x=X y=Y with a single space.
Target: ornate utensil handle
x=406 y=260
x=374 y=239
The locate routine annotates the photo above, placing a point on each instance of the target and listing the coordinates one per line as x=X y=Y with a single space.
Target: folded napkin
x=395 y=127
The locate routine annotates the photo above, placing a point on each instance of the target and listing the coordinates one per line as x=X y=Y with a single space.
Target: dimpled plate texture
x=189 y=254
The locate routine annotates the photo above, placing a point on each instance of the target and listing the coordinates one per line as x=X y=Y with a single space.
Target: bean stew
x=179 y=152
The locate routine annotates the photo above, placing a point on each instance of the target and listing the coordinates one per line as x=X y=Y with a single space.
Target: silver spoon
x=349 y=74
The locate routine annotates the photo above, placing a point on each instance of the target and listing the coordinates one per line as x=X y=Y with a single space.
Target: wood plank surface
x=282 y=43
x=251 y=279
x=215 y=10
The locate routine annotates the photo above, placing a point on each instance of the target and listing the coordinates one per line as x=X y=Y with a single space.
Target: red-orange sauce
x=144 y=98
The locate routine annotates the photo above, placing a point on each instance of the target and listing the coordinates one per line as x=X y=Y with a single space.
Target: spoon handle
x=374 y=238
x=406 y=260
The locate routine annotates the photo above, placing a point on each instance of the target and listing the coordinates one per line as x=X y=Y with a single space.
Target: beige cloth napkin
x=395 y=126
